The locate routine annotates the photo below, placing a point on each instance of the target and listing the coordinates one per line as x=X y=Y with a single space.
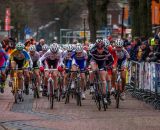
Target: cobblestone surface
x=36 y=115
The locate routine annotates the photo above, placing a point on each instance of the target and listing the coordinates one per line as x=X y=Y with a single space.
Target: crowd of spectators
x=144 y=50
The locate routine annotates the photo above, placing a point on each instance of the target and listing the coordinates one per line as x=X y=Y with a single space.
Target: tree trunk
x=91 y=4
x=135 y=21
x=149 y=18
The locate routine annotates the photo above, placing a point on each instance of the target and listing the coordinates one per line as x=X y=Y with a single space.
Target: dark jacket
x=39 y=47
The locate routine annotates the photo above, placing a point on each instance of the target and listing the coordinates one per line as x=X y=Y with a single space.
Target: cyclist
x=3 y=60
x=67 y=59
x=122 y=56
x=19 y=57
x=35 y=57
x=98 y=56
x=44 y=49
x=109 y=65
x=53 y=58
x=79 y=62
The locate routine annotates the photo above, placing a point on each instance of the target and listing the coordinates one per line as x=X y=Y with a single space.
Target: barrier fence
x=145 y=76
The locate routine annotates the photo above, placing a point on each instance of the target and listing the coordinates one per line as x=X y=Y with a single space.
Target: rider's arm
x=27 y=59
x=44 y=56
x=126 y=53
x=61 y=57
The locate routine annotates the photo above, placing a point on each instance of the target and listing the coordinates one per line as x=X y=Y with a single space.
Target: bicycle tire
x=78 y=93
x=67 y=98
x=51 y=100
x=51 y=96
x=78 y=97
x=117 y=98
x=15 y=97
x=105 y=106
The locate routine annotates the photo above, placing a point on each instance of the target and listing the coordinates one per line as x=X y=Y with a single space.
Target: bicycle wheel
x=78 y=98
x=78 y=93
x=16 y=97
x=117 y=98
x=51 y=96
x=67 y=97
x=105 y=106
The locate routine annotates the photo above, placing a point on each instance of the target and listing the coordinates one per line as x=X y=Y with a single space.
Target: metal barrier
x=145 y=76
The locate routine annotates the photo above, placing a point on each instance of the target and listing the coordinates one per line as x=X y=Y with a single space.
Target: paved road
x=35 y=115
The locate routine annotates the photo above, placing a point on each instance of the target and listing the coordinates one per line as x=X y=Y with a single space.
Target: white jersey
x=52 y=56
x=123 y=54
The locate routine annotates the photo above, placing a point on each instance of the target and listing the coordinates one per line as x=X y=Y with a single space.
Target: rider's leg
x=103 y=79
x=123 y=75
x=26 y=80
x=20 y=80
x=55 y=74
x=37 y=73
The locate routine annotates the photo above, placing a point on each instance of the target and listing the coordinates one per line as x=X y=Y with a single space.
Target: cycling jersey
x=21 y=58
x=35 y=59
x=100 y=58
x=3 y=59
x=122 y=57
x=80 y=59
x=67 y=59
x=52 y=59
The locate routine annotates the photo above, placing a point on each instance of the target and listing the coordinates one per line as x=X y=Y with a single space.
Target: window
x=109 y=19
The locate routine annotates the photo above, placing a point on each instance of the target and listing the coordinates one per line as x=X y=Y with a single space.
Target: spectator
x=145 y=51
x=134 y=49
x=40 y=44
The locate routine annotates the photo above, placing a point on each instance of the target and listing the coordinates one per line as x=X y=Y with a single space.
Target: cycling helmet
x=106 y=42
x=99 y=43
x=20 y=46
x=69 y=47
x=91 y=46
x=78 y=44
x=32 y=48
x=45 y=47
x=119 y=43
x=79 y=48
x=54 y=47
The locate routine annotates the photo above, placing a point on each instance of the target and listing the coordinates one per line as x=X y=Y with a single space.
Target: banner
x=145 y=76
x=7 y=19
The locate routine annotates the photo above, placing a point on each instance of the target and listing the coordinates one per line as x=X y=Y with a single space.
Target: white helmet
x=54 y=47
x=91 y=46
x=32 y=48
x=106 y=42
x=69 y=47
x=79 y=48
x=45 y=47
x=119 y=43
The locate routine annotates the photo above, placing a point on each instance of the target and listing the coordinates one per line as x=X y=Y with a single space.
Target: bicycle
x=76 y=91
x=118 y=87
x=69 y=90
x=60 y=86
x=98 y=91
x=35 y=84
x=50 y=93
x=17 y=93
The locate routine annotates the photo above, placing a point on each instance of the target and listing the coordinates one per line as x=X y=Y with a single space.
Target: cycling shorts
x=101 y=64
x=53 y=63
